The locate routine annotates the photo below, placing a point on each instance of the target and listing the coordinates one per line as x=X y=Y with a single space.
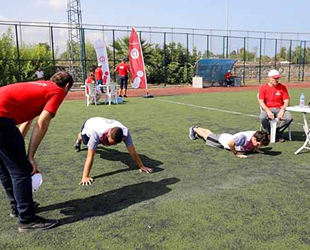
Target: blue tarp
x=213 y=70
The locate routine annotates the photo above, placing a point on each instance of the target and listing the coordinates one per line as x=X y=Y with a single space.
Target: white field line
x=213 y=109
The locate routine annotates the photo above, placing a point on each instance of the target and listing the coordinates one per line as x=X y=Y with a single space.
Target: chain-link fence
x=169 y=53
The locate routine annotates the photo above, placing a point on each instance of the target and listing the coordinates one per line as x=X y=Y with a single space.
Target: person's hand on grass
x=86 y=181
x=239 y=155
x=146 y=170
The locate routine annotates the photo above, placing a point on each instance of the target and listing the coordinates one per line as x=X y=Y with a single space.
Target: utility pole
x=76 y=38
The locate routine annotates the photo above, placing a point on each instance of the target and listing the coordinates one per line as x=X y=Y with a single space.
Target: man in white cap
x=274 y=98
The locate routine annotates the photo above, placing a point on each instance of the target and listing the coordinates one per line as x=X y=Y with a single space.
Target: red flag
x=137 y=69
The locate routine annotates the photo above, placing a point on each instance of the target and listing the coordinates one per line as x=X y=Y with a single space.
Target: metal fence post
x=83 y=54
x=260 y=61
x=208 y=52
x=290 y=61
x=165 y=68
x=18 y=54
x=114 y=59
x=275 y=53
x=303 y=62
x=187 y=59
x=244 y=58
x=52 y=47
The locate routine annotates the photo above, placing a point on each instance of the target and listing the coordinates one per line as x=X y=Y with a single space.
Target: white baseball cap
x=36 y=181
x=274 y=74
x=99 y=65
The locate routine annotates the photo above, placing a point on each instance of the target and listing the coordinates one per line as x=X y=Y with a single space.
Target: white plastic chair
x=111 y=93
x=273 y=127
x=90 y=93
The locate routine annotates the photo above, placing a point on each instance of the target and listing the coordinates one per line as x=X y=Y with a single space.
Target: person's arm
x=24 y=128
x=286 y=103
x=231 y=144
x=86 y=180
x=38 y=134
x=264 y=107
x=132 y=151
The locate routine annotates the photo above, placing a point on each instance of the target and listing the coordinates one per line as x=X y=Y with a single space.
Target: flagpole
x=146 y=87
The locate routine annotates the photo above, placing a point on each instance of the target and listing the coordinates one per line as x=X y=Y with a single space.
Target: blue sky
x=266 y=15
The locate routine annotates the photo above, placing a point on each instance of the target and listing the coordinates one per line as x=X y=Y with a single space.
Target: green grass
x=198 y=198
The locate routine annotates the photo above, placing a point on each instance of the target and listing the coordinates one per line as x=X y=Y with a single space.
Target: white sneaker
x=192 y=133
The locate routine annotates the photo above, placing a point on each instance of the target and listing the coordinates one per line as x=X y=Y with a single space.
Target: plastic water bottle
x=302 y=100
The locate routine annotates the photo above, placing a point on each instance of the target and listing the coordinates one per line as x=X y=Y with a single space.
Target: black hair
x=117 y=134
x=263 y=137
x=62 y=78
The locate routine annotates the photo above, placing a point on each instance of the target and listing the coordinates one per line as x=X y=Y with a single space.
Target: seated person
x=273 y=98
x=239 y=143
x=91 y=80
x=229 y=78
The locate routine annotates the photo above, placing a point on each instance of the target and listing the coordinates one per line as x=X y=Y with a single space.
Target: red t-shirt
x=228 y=75
x=273 y=96
x=25 y=101
x=89 y=80
x=123 y=69
x=98 y=74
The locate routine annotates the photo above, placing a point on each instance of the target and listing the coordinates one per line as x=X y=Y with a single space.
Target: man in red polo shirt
x=274 y=98
x=123 y=70
x=38 y=99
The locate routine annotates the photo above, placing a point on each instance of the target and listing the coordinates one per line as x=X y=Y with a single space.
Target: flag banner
x=102 y=58
x=137 y=69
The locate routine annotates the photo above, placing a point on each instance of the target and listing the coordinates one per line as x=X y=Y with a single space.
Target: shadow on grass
x=296 y=136
x=110 y=202
x=115 y=155
x=269 y=151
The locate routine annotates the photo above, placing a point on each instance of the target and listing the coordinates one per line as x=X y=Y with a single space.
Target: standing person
x=40 y=74
x=123 y=70
x=248 y=141
x=98 y=76
x=42 y=99
x=98 y=130
x=273 y=97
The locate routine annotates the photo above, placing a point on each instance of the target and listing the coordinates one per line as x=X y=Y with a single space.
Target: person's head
x=115 y=135
x=274 y=77
x=260 y=138
x=228 y=71
x=63 y=79
x=91 y=74
x=124 y=60
x=99 y=65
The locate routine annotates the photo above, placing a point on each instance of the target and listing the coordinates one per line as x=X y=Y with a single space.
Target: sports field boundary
x=183 y=90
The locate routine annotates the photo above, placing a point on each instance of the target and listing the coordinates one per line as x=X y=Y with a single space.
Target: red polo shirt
x=273 y=96
x=98 y=74
x=122 y=69
x=25 y=101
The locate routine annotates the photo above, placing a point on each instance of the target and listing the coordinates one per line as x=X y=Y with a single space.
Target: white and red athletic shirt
x=26 y=100
x=242 y=141
x=97 y=128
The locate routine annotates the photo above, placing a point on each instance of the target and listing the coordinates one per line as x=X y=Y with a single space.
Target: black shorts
x=85 y=138
x=124 y=82
x=213 y=141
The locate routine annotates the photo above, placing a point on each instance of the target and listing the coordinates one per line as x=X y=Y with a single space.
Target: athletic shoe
x=125 y=95
x=77 y=146
x=192 y=133
x=14 y=212
x=38 y=225
x=120 y=96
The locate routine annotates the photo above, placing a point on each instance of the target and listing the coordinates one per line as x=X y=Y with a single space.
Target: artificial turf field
x=198 y=197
